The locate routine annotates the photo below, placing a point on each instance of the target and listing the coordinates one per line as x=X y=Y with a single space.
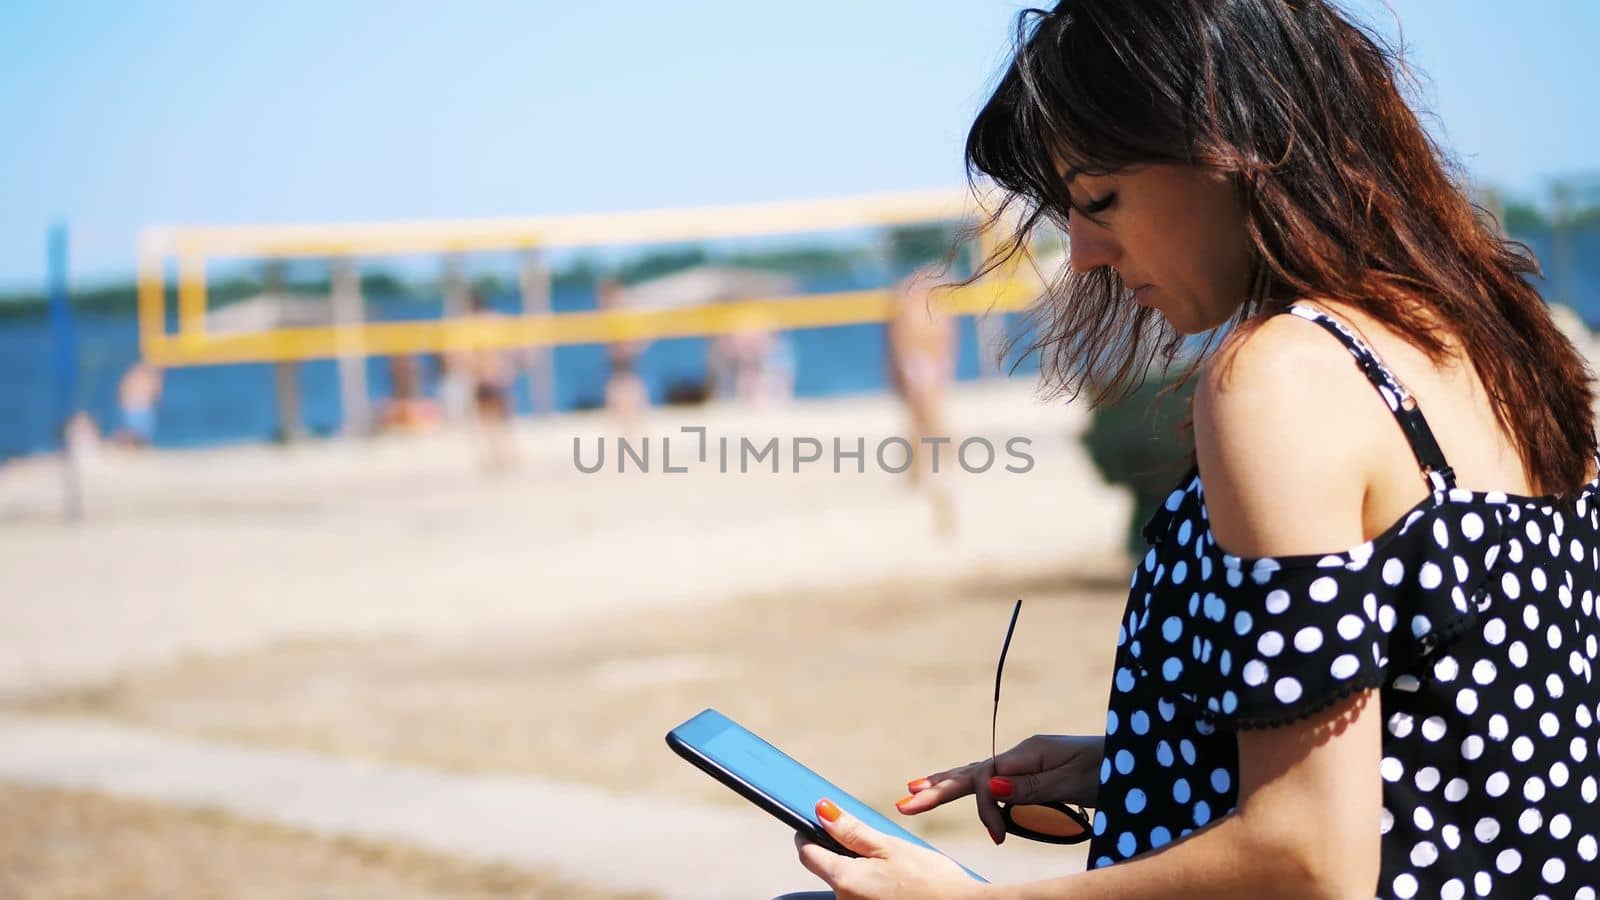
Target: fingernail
x=827 y=810
x=1001 y=787
x=920 y=784
x=902 y=800
x=997 y=838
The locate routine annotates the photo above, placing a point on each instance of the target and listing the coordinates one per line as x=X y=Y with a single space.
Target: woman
x=922 y=344
x=1413 y=716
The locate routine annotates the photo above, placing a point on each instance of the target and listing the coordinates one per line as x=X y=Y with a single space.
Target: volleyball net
x=190 y=251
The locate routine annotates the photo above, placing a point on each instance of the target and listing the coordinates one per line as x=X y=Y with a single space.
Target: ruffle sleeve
x=1267 y=641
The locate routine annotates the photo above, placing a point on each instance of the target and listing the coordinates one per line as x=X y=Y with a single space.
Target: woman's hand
x=1042 y=768
x=889 y=868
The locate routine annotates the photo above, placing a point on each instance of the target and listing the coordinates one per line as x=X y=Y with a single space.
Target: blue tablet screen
x=777 y=775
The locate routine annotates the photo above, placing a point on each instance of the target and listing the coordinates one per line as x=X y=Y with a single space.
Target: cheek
x=1241 y=255
x=1232 y=249
x=1219 y=256
x=1212 y=224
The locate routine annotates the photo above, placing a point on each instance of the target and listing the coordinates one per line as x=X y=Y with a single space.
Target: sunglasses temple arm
x=999 y=668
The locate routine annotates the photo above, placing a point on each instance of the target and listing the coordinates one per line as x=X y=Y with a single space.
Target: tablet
x=772 y=780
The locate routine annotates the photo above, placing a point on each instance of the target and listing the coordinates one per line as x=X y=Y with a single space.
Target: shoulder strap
x=1436 y=471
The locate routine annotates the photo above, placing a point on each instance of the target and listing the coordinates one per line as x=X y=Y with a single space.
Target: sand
x=873 y=686
x=389 y=600
x=222 y=550
x=74 y=844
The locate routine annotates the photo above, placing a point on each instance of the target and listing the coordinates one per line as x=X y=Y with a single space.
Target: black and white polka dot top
x=1474 y=617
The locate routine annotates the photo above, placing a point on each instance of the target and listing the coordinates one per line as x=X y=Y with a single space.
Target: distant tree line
x=901 y=248
x=1525 y=218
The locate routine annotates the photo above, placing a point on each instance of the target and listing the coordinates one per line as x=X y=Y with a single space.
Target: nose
x=1091 y=246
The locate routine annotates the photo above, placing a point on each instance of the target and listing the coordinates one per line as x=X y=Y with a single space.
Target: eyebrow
x=1072 y=172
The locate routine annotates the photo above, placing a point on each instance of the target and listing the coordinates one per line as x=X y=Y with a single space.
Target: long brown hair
x=1347 y=198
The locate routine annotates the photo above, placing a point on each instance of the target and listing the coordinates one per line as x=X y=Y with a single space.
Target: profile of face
x=1175 y=234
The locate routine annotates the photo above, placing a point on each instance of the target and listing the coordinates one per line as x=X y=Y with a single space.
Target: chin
x=1183 y=322
x=1191 y=321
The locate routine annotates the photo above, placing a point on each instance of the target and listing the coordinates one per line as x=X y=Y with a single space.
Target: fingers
x=1024 y=759
x=818 y=860
x=936 y=790
x=1028 y=788
x=988 y=810
x=942 y=787
x=958 y=772
x=1032 y=783
x=851 y=833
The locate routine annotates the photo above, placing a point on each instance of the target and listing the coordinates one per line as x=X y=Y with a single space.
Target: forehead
x=1070 y=166
x=1075 y=175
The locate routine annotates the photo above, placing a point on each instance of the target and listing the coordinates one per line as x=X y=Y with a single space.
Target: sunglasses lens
x=1046 y=820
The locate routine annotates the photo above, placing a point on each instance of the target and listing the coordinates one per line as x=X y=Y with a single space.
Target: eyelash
x=1099 y=206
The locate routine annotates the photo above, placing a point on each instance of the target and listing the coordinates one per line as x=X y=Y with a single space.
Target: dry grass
x=70 y=845
x=869 y=687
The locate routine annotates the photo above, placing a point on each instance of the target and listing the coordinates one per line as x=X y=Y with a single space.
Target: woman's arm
x=1285 y=429
x=1306 y=825
x=1284 y=424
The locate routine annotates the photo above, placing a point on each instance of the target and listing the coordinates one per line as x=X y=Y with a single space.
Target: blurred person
x=922 y=348
x=454 y=385
x=138 y=395
x=407 y=409
x=491 y=373
x=81 y=444
x=81 y=437
x=1249 y=196
x=753 y=364
x=626 y=396
x=775 y=386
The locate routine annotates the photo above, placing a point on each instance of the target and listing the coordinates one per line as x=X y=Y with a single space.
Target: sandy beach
x=387 y=600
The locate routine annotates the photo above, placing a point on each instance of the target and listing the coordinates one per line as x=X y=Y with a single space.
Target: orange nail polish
x=902 y=800
x=827 y=810
x=920 y=784
x=1001 y=787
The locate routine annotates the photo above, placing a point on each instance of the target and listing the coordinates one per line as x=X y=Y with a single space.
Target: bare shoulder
x=1284 y=425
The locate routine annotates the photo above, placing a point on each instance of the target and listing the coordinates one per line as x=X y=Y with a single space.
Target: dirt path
x=871 y=687
x=58 y=844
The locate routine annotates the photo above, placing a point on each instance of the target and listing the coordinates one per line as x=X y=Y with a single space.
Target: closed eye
x=1095 y=207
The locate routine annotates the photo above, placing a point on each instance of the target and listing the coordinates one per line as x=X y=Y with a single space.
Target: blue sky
x=123 y=114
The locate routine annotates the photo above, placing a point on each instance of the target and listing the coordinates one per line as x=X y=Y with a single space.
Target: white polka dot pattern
x=1473 y=615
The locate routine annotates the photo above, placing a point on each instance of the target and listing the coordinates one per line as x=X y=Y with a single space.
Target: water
x=207 y=405
x=233 y=403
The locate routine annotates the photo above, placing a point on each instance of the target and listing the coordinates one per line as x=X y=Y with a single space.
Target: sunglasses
x=1052 y=822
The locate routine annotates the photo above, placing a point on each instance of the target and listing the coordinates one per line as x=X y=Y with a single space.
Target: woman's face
x=1175 y=234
